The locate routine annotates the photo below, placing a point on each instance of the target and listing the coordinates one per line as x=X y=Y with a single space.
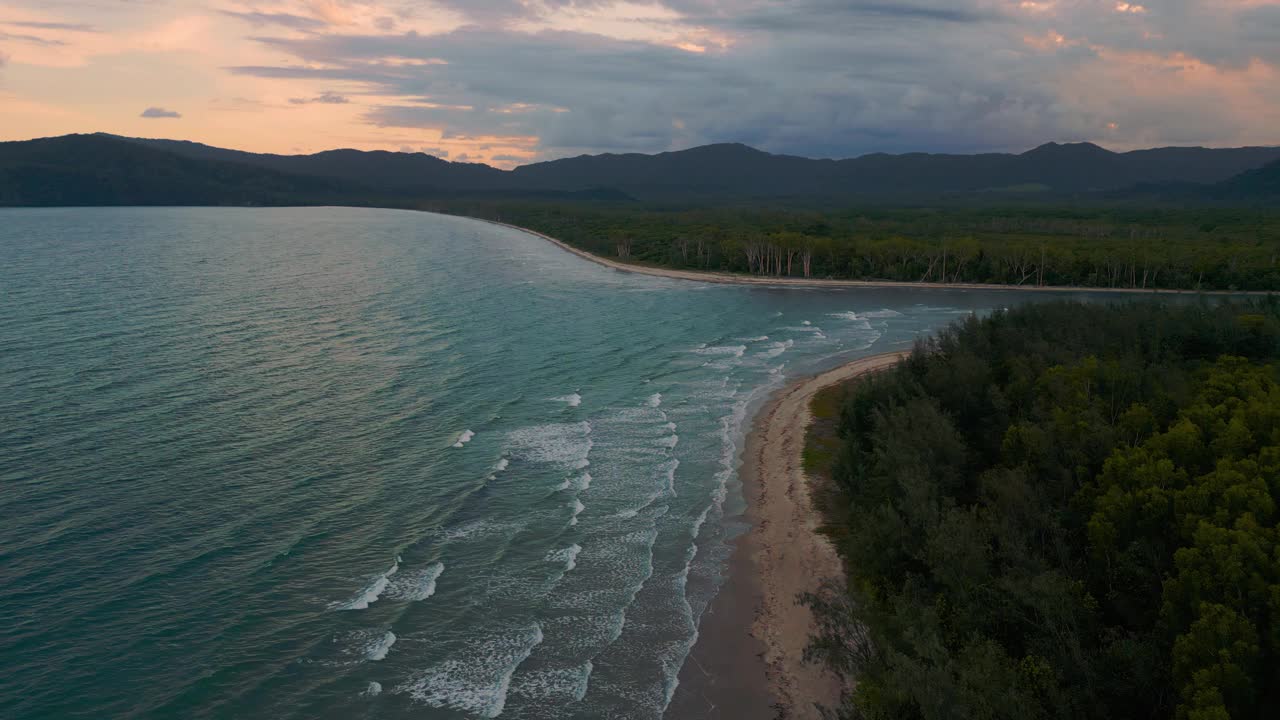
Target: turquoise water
x=339 y=463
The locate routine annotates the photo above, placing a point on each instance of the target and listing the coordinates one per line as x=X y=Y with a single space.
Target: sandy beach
x=755 y=630
x=738 y=279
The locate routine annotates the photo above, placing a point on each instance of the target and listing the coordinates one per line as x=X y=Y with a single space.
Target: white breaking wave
x=379 y=649
x=417 y=584
x=568 y=556
x=559 y=443
x=477 y=681
x=578 y=507
x=732 y=350
x=762 y=338
x=501 y=465
x=806 y=322
x=556 y=685
x=572 y=400
x=582 y=482
x=654 y=400
x=372 y=689
x=669 y=469
x=668 y=442
x=464 y=438
x=776 y=349
x=372 y=591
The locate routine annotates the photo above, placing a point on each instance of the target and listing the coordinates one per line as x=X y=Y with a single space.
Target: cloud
x=159 y=112
x=832 y=78
x=19 y=37
x=36 y=25
x=287 y=20
x=817 y=77
x=324 y=98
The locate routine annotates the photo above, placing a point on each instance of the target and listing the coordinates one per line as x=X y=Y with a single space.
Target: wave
x=416 y=585
x=582 y=482
x=478 y=680
x=776 y=349
x=762 y=338
x=578 y=507
x=552 y=686
x=379 y=649
x=372 y=591
x=372 y=689
x=669 y=468
x=572 y=400
x=479 y=528
x=568 y=556
x=501 y=465
x=464 y=438
x=557 y=443
x=654 y=400
x=732 y=350
x=669 y=442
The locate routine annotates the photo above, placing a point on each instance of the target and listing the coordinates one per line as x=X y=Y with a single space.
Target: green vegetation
x=1067 y=511
x=1101 y=247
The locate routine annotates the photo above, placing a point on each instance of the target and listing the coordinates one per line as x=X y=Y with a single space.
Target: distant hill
x=108 y=169
x=398 y=172
x=1260 y=184
x=96 y=170
x=738 y=170
x=732 y=170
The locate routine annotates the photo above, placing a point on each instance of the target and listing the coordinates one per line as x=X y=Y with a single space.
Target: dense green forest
x=1064 y=510
x=1088 y=246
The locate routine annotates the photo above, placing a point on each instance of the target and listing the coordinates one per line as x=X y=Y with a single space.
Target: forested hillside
x=1065 y=511
x=1104 y=247
x=99 y=170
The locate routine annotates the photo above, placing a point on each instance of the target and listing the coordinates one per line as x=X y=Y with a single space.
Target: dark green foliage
x=1066 y=510
x=96 y=170
x=1107 y=247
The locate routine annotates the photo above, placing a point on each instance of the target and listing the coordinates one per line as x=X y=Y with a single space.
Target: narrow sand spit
x=790 y=555
x=737 y=279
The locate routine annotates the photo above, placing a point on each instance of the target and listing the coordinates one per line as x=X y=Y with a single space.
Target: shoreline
x=749 y=659
x=737 y=279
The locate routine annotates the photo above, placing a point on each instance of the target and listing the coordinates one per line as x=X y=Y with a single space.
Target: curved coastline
x=736 y=279
x=749 y=660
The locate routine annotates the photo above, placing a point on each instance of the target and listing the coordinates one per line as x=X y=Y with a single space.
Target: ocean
x=347 y=463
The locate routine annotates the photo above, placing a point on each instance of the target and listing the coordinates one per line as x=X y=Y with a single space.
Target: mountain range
x=105 y=169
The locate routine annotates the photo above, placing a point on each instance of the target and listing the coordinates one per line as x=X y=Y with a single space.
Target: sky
x=514 y=81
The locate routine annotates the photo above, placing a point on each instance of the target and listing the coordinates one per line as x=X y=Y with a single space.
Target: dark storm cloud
x=814 y=77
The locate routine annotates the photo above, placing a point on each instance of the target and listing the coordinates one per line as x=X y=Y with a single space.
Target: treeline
x=1187 y=249
x=1064 y=511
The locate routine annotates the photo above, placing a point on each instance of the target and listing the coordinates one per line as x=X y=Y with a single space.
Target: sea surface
x=343 y=463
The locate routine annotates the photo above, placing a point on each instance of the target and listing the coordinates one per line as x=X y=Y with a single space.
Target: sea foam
x=379 y=649
x=372 y=591
x=416 y=585
x=476 y=681
x=568 y=556
x=572 y=400
x=464 y=438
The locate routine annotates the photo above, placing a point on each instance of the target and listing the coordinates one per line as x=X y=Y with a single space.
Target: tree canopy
x=1065 y=510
